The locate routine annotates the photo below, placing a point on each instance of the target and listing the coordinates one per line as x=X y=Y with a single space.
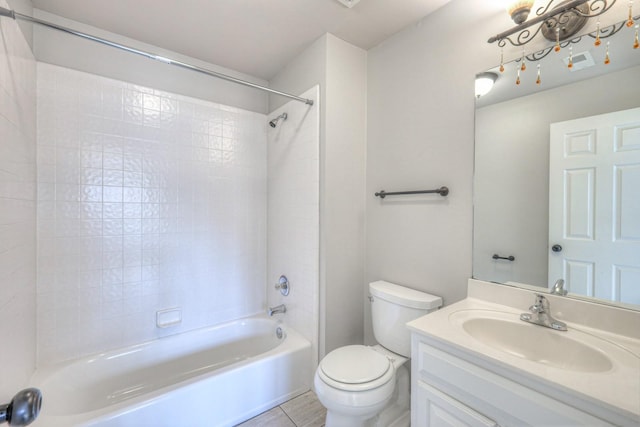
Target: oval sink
x=536 y=343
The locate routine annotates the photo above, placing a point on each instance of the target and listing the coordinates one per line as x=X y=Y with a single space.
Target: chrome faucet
x=558 y=288
x=277 y=309
x=541 y=315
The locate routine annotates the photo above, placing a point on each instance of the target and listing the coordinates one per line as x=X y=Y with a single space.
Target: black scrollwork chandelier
x=560 y=24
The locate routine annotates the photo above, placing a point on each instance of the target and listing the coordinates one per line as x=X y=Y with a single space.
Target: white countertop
x=618 y=387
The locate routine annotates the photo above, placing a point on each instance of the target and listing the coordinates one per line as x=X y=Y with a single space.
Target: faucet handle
x=541 y=305
x=283 y=285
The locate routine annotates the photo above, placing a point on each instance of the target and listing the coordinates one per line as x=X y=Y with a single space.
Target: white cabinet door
x=436 y=409
x=594 y=205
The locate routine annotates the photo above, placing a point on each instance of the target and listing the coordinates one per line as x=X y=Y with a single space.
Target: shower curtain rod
x=15 y=15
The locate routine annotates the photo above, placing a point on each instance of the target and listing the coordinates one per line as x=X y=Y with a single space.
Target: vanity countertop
x=616 y=387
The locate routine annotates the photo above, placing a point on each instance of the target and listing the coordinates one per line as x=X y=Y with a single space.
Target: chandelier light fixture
x=559 y=23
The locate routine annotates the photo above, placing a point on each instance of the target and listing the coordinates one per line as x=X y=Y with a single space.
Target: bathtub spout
x=277 y=309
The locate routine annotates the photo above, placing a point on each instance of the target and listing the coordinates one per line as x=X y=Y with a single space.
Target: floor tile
x=305 y=410
x=273 y=418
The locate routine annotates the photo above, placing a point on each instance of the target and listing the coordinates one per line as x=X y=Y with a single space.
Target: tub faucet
x=541 y=315
x=277 y=309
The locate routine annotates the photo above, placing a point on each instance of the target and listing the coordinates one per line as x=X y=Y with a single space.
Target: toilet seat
x=355 y=368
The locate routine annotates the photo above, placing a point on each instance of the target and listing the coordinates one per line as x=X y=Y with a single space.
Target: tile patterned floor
x=302 y=411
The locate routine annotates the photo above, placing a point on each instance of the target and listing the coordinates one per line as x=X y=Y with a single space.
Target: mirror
x=512 y=172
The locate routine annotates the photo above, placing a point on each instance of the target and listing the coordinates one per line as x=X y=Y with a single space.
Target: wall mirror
x=520 y=200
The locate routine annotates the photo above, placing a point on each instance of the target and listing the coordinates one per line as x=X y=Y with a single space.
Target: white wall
x=147 y=201
x=308 y=69
x=340 y=70
x=420 y=126
x=511 y=206
x=26 y=8
x=293 y=219
x=58 y=48
x=344 y=198
x=17 y=209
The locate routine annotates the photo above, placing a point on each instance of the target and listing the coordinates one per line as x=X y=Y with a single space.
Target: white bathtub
x=217 y=376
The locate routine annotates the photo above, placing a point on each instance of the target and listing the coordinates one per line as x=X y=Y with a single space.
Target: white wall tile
x=136 y=217
x=294 y=214
x=18 y=208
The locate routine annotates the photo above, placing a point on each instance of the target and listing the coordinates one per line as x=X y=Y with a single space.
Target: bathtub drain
x=279 y=332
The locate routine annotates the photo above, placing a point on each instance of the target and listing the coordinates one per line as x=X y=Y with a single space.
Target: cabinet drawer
x=435 y=408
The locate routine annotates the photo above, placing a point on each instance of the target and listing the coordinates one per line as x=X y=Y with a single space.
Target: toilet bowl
x=355 y=383
x=369 y=385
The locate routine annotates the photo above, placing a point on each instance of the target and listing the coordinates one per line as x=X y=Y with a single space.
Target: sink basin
x=505 y=332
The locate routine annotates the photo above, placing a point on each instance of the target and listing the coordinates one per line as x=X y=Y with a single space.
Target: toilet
x=369 y=386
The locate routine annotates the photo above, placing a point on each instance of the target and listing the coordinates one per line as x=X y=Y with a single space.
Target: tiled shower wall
x=294 y=214
x=17 y=208
x=146 y=201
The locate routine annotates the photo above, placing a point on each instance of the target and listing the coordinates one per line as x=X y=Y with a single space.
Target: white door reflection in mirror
x=594 y=205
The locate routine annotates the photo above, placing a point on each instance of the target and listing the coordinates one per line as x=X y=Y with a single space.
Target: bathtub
x=217 y=376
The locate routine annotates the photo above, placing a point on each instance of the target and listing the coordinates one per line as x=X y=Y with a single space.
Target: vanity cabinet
x=435 y=408
x=452 y=387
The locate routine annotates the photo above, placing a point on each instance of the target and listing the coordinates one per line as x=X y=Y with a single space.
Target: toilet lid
x=355 y=364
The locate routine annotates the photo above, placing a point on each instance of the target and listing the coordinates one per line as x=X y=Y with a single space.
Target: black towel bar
x=443 y=191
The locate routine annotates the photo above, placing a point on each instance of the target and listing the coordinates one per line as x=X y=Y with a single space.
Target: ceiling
x=256 y=37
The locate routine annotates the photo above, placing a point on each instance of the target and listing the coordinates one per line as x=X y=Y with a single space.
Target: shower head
x=273 y=123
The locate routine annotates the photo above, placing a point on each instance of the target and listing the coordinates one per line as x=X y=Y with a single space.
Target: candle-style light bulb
x=570 y=64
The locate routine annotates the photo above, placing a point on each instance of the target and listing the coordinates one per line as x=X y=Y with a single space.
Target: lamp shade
x=484 y=83
x=519 y=10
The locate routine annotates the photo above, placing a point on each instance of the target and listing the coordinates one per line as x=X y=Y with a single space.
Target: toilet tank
x=392 y=306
